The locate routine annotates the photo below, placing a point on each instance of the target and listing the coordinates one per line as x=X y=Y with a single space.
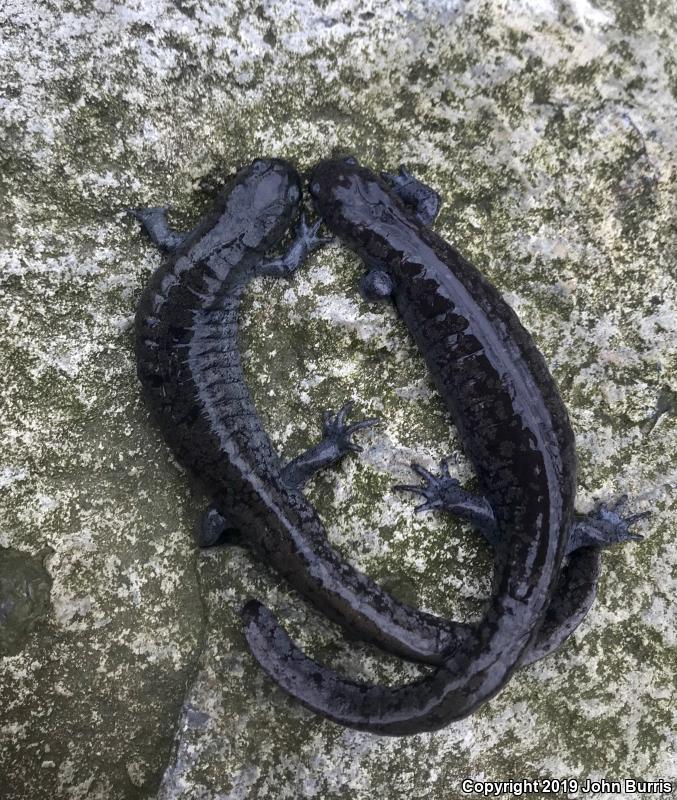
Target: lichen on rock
x=548 y=128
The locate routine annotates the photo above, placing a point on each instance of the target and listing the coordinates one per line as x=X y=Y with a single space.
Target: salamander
x=514 y=429
x=189 y=365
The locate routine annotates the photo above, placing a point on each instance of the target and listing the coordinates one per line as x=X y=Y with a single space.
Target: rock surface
x=549 y=129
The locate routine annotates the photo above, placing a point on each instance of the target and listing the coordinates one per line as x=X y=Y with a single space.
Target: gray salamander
x=516 y=432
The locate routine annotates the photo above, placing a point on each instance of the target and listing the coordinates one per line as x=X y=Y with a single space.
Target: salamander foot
x=440 y=492
x=605 y=526
x=306 y=240
x=338 y=433
x=376 y=285
x=212 y=529
x=444 y=493
x=423 y=200
x=336 y=443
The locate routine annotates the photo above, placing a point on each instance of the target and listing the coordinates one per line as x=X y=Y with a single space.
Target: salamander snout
x=268 y=196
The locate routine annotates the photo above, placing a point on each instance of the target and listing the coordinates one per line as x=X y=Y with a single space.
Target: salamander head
x=266 y=197
x=332 y=182
x=345 y=194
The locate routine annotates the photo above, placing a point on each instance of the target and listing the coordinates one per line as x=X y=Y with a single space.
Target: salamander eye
x=351 y=161
x=259 y=166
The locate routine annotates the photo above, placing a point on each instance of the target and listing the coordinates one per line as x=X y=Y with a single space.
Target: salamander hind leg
x=306 y=240
x=336 y=443
x=376 y=285
x=156 y=226
x=212 y=529
x=444 y=493
x=424 y=200
x=605 y=526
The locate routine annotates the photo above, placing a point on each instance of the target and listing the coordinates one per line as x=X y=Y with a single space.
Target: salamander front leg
x=212 y=528
x=604 y=527
x=154 y=222
x=335 y=444
x=424 y=201
x=306 y=240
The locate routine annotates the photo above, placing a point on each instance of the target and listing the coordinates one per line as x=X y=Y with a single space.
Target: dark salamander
x=189 y=365
x=516 y=432
x=188 y=362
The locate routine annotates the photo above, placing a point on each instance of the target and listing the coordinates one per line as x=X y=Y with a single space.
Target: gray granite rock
x=549 y=129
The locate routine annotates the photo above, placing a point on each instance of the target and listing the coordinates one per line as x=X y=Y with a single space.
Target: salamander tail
x=424 y=705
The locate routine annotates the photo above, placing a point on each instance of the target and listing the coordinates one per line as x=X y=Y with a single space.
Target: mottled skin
x=515 y=431
x=189 y=364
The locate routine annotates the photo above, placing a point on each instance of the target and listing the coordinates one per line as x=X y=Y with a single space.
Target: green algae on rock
x=548 y=127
